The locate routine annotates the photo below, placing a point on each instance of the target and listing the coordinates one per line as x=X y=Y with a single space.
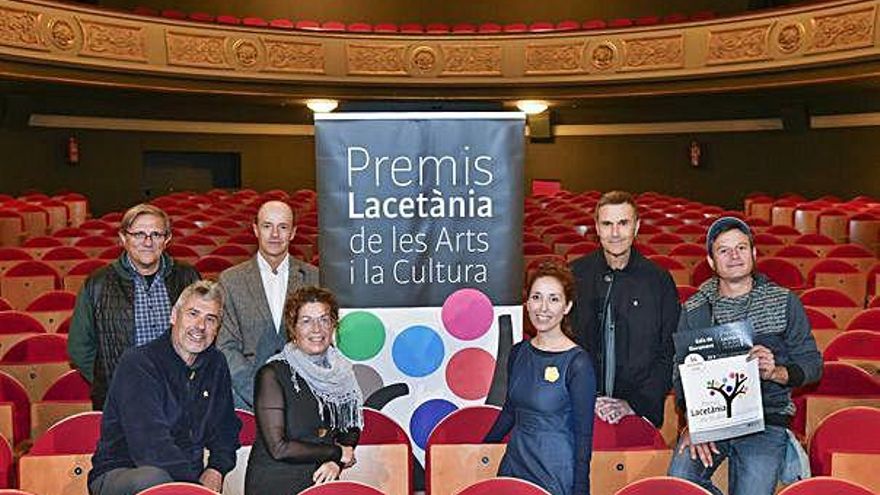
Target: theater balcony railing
x=83 y=45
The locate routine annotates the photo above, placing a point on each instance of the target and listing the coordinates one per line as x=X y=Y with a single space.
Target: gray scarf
x=332 y=382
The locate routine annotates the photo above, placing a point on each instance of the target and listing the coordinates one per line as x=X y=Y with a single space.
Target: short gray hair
x=144 y=209
x=207 y=290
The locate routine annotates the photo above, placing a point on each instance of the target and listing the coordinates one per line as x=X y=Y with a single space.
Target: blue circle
x=426 y=417
x=418 y=351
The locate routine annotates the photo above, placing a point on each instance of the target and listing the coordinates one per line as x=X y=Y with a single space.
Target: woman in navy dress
x=551 y=393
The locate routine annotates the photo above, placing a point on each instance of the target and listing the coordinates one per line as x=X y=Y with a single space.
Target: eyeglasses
x=141 y=236
x=322 y=322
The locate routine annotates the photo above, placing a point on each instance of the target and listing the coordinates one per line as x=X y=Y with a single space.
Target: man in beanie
x=784 y=348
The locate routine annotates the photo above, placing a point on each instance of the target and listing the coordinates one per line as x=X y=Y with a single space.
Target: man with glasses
x=127 y=303
x=253 y=324
x=169 y=402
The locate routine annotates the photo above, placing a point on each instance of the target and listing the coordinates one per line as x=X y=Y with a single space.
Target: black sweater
x=645 y=310
x=162 y=413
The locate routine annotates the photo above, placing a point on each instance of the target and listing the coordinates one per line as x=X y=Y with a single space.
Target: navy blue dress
x=549 y=414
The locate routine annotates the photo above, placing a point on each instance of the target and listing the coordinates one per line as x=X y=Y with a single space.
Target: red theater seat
x=437 y=28
x=412 y=28
x=506 y=486
x=385 y=27
x=71 y=386
x=541 y=27
x=866 y=319
x=464 y=28
x=228 y=19
x=334 y=488
x=143 y=10
x=201 y=17
x=854 y=429
x=254 y=22
x=359 y=27
x=823 y=485
x=333 y=26
x=490 y=28
x=620 y=23
x=782 y=272
x=282 y=24
x=648 y=20
x=14 y=393
x=568 y=25
x=173 y=14
x=685 y=291
x=631 y=432
x=515 y=27
x=842 y=276
x=662 y=485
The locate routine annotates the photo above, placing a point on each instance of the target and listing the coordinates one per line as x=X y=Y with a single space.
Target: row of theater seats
x=37 y=214
x=429 y=28
x=856 y=220
x=843 y=444
x=36 y=357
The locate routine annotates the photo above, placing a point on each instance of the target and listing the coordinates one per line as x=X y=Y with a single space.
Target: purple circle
x=467 y=314
x=426 y=417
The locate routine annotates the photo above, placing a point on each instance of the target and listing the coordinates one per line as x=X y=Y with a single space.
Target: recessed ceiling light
x=531 y=106
x=322 y=106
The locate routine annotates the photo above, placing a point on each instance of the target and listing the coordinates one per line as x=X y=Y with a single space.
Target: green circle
x=361 y=335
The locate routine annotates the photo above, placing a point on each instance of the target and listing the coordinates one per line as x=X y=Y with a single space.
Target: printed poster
x=722 y=388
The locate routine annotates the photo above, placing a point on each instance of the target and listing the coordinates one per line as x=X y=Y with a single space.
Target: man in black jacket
x=127 y=303
x=624 y=315
x=169 y=401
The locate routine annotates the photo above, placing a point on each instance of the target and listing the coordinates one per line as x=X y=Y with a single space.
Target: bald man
x=253 y=325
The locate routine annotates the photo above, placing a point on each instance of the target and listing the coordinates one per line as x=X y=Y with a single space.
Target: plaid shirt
x=152 y=307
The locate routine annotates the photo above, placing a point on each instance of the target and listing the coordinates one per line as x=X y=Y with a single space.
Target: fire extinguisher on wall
x=72 y=151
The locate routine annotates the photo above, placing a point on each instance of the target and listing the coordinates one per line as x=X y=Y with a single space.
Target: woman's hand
x=328 y=471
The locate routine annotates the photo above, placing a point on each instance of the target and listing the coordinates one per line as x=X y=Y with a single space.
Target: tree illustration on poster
x=729 y=387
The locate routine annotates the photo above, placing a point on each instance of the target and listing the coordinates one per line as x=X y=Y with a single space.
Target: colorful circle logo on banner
x=361 y=335
x=469 y=373
x=467 y=314
x=426 y=417
x=418 y=351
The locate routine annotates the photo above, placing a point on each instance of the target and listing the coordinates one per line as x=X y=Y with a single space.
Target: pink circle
x=469 y=373
x=467 y=314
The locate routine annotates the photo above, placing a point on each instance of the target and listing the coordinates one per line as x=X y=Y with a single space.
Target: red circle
x=469 y=373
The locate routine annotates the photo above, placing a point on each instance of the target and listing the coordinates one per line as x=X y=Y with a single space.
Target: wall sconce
x=322 y=106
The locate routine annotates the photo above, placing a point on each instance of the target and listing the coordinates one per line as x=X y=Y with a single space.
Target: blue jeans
x=753 y=463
